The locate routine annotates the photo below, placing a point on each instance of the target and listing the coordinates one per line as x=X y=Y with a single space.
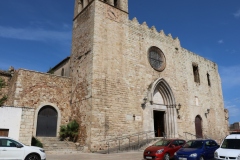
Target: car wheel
x=166 y=157
x=32 y=157
x=201 y=158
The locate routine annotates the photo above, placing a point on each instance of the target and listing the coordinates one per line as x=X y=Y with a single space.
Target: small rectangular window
x=4 y=132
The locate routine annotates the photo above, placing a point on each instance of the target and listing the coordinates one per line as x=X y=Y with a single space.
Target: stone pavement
x=134 y=155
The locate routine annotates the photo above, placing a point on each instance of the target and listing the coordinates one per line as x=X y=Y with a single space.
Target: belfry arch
x=160 y=112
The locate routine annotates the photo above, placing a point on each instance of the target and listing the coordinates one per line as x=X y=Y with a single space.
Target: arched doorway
x=160 y=113
x=198 y=126
x=47 y=122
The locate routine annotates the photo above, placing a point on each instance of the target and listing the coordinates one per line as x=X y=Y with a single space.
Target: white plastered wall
x=10 y=118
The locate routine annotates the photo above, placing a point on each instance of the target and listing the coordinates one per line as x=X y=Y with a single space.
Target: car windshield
x=231 y=144
x=162 y=143
x=193 y=144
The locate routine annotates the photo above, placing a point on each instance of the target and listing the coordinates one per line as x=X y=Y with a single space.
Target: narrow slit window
x=196 y=73
x=208 y=79
x=62 y=73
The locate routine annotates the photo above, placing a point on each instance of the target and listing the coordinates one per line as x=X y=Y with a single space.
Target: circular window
x=156 y=59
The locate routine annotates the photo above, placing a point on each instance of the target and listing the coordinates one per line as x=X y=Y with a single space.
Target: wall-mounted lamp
x=144 y=102
x=207 y=112
x=134 y=117
x=178 y=107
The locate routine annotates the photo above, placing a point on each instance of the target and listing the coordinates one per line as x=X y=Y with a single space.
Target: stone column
x=85 y=3
x=120 y=5
x=80 y=6
x=111 y=2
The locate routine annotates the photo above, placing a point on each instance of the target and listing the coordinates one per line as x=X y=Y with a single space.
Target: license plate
x=148 y=157
x=180 y=158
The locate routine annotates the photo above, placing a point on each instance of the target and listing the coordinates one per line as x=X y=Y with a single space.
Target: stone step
x=53 y=144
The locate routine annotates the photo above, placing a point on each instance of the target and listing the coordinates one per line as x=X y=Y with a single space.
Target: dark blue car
x=200 y=149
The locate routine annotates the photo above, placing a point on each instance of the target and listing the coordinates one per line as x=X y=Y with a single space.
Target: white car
x=229 y=149
x=11 y=149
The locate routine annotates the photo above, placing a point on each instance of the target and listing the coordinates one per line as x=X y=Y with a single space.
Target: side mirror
x=19 y=145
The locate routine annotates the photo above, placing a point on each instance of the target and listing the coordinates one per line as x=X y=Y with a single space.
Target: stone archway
x=47 y=122
x=161 y=99
x=198 y=126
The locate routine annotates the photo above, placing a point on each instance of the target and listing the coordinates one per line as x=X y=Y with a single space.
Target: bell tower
x=81 y=4
x=99 y=38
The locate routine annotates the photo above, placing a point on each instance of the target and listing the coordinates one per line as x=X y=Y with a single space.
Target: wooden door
x=198 y=127
x=47 y=122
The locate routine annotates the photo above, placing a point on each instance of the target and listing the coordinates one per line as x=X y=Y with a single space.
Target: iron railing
x=192 y=136
x=128 y=142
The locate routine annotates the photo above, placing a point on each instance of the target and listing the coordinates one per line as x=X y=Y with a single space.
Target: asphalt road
x=94 y=156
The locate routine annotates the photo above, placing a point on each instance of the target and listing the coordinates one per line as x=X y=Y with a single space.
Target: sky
x=36 y=35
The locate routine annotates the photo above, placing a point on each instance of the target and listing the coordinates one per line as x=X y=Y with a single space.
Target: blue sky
x=36 y=35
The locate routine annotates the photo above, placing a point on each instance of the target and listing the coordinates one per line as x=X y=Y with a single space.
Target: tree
x=2 y=85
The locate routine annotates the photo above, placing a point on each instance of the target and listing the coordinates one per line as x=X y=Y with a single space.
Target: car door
x=174 y=147
x=210 y=147
x=213 y=147
x=10 y=151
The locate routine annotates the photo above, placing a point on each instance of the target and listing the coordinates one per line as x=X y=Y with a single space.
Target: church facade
x=121 y=78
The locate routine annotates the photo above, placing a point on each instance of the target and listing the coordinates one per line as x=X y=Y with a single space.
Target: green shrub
x=36 y=142
x=69 y=131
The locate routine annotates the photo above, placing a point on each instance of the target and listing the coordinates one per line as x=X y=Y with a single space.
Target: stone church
x=121 y=78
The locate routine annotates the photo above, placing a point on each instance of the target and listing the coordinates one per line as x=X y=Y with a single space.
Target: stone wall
x=122 y=76
x=27 y=125
x=34 y=89
x=5 y=76
x=81 y=71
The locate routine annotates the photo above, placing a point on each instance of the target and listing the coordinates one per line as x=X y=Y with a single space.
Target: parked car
x=11 y=149
x=163 y=149
x=230 y=148
x=200 y=149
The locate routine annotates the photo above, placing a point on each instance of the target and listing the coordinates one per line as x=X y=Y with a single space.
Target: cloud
x=237 y=14
x=230 y=77
x=233 y=110
x=34 y=34
x=220 y=41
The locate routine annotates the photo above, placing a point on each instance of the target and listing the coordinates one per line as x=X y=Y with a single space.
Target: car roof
x=233 y=136
x=3 y=137
x=171 y=139
x=201 y=140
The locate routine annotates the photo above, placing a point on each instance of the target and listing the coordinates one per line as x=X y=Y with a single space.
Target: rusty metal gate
x=47 y=122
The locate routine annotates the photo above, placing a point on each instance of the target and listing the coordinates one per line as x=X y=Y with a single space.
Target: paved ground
x=93 y=156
